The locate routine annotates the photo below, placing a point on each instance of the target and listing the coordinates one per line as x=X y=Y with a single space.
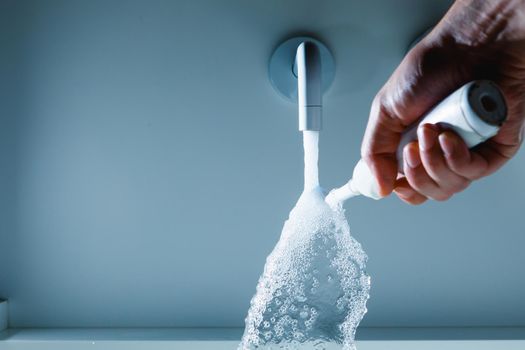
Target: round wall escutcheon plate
x=282 y=62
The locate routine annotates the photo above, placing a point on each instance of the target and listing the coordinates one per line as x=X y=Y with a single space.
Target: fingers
x=384 y=168
x=431 y=168
x=407 y=193
x=439 y=165
x=418 y=177
x=460 y=159
x=379 y=146
x=433 y=160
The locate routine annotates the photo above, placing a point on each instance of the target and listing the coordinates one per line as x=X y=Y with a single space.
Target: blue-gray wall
x=147 y=166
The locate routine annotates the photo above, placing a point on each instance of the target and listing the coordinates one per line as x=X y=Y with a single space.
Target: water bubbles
x=308 y=324
x=365 y=280
x=279 y=331
x=298 y=336
x=341 y=303
x=298 y=289
x=314 y=286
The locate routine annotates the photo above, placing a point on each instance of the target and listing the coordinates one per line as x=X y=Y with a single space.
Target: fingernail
x=411 y=155
x=427 y=135
x=447 y=144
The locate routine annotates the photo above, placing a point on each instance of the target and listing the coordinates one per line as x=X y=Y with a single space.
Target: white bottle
x=475 y=112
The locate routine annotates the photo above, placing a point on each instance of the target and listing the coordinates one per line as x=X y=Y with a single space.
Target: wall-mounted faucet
x=302 y=69
x=307 y=67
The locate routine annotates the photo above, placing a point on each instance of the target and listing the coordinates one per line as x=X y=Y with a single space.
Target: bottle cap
x=487 y=102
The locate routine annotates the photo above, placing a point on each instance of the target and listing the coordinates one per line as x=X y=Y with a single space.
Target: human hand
x=476 y=39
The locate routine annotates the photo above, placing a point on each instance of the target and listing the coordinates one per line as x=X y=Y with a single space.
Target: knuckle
x=377 y=100
x=457 y=165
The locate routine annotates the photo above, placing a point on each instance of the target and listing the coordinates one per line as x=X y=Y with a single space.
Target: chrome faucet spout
x=307 y=67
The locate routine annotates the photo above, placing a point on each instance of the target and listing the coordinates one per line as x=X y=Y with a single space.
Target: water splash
x=314 y=288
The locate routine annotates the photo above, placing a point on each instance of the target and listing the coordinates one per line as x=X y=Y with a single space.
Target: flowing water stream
x=313 y=291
